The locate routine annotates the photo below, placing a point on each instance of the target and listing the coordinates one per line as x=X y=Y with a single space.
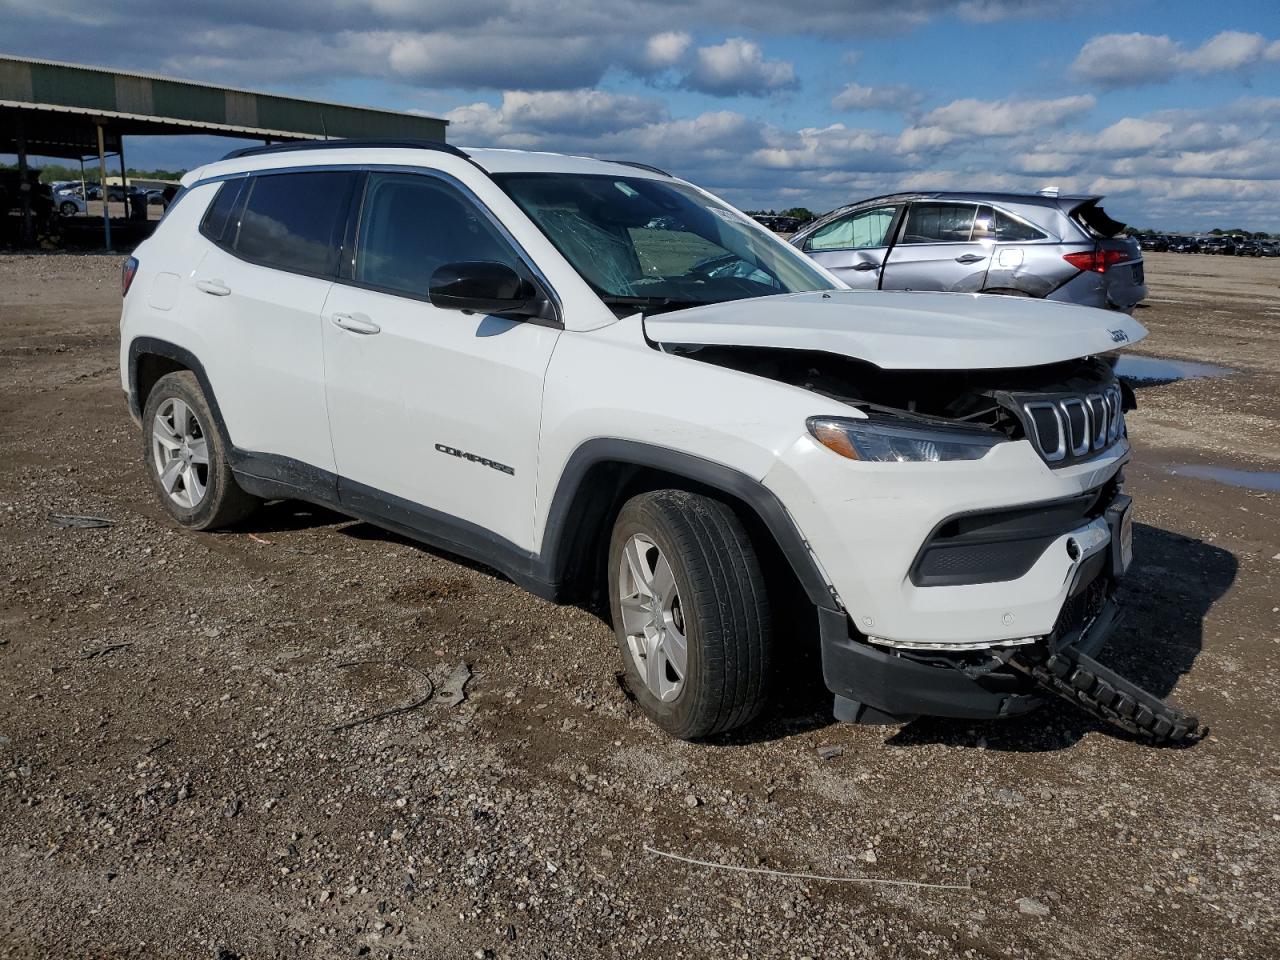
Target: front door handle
x=214 y=288
x=355 y=322
x=866 y=265
x=970 y=258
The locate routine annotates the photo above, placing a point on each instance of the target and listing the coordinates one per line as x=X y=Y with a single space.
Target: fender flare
x=558 y=540
x=264 y=474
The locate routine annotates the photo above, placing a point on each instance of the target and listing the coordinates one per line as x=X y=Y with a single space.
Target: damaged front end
x=1070 y=412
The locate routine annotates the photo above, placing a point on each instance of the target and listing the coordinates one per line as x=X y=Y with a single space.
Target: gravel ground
x=171 y=785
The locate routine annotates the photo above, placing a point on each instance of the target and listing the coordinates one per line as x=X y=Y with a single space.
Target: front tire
x=67 y=209
x=690 y=611
x=186 y=458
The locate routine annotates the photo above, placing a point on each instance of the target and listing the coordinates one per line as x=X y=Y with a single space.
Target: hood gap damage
x=987 y=400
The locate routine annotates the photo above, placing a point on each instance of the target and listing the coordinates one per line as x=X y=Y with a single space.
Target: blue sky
x=1172 y=109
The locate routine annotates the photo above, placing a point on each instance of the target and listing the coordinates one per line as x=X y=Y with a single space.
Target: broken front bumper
x=882 y=683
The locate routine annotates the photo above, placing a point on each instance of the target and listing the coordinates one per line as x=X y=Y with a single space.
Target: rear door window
x=295 y=221
x=863 y=230
x=939 y=223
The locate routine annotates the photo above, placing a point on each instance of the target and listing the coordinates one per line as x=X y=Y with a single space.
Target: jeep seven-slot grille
x=1068 y=428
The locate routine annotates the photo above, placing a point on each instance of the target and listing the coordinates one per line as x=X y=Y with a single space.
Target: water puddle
x=1163 y=370
x=1267 y=481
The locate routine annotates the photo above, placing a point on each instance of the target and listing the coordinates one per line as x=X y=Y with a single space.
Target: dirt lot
x=170 y=786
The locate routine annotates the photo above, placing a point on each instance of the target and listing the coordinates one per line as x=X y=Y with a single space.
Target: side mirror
x=483 y=286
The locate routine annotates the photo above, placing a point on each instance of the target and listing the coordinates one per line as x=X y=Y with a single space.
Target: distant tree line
x=52 y=172
x=800 y=213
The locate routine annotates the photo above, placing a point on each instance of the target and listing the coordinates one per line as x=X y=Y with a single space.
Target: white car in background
x=67 y=203
x=595 y=377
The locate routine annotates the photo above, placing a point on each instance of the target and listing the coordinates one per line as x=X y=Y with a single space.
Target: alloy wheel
x=652 y=617
x=180 y=452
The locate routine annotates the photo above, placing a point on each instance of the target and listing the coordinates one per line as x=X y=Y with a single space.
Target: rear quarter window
x=216 y=218
x=993 y=224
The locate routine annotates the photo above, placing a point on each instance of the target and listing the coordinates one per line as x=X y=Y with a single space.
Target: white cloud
x=561 y=113
x=664 y=50
x=738 y=66
x=894 y=96
x=986 y=118
x=1133 y=59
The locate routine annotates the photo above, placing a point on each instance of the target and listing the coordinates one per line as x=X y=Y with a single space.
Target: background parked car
x=1220 y=246
x=779 y=224
x=1268 y=248
x=1056 y=248
x=1155 y=244
x=68 y=203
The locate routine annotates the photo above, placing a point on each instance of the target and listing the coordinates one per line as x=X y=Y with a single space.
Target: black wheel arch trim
x=558 y=542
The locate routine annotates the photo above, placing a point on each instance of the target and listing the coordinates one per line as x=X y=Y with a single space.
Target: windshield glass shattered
x=658 y=244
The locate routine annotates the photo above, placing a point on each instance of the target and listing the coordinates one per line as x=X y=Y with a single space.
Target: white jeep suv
x=592 y=375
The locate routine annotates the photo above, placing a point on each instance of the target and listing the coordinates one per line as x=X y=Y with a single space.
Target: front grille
x=1067 y=428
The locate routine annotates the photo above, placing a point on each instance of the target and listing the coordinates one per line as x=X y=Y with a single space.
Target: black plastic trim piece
x=1004 y=543
x=559 y=544
x=276 y=477
x=295 y=145
x=641 y=166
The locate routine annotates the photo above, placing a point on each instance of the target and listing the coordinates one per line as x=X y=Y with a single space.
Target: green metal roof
x=58 y=105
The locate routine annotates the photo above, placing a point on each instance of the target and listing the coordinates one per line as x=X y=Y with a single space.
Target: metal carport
x=78 y=112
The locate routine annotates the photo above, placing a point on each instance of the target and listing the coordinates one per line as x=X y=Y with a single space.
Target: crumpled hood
x=906 y=330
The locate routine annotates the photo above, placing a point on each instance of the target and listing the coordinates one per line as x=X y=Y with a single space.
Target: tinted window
x=994 y=224
x=214 y=224
x=412 y=224
x=866 y=228
x=295 y=221
x=939 y=223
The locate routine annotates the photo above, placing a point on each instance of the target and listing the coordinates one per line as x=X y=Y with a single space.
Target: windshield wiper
x=652 y=304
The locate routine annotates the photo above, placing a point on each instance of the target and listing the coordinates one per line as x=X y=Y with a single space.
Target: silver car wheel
x=652 y=617
x=180 y=453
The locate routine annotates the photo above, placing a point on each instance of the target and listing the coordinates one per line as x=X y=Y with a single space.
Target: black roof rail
x=340 y=144
x=642 y=166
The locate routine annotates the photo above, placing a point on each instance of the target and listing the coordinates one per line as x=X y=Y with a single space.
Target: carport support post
x=124 y=183
x=102 y=180
x=24 y=188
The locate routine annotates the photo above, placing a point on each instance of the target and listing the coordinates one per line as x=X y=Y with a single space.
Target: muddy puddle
x=1164 y=370
x=1267 y=481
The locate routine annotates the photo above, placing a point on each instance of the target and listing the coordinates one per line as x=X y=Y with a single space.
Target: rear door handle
x=970 y=258
x=355 y=322
x=215 y=288
x=865 y=265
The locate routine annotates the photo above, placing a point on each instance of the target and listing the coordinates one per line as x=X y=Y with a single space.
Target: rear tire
x=67 y=209
x=186 y=458
x=683 y=572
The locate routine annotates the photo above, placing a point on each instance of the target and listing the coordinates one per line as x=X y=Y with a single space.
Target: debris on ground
x=454 y=690
x=421 y=699
x=79 y=522
x=1032 y=907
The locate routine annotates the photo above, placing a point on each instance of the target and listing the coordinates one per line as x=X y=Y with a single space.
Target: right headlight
x=884 y=441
